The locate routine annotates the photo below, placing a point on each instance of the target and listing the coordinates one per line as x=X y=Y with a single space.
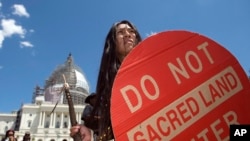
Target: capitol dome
x=79 y=87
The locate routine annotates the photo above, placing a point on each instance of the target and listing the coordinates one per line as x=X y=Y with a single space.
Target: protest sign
x=179 y=85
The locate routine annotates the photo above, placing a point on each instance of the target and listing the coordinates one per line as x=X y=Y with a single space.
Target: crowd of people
x=10 y=136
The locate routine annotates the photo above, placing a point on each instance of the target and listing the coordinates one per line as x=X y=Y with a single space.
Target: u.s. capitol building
x=39 y=118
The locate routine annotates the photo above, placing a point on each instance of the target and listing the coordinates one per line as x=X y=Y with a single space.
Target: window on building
x=46 y=124
x=58 y=124
x=29 y=123
x=65 y=125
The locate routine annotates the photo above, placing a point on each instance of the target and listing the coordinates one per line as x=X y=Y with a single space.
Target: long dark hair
x=7 y=134
x=108 y=70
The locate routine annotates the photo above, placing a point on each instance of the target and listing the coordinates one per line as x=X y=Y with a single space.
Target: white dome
x=81 y=81
x=74 y=77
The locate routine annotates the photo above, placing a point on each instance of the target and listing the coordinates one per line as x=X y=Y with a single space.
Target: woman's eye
x=132 y=31
x=119 y=32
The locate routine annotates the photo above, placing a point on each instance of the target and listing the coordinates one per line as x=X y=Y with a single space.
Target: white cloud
x=20 y=10
x=10 y=28
x=151 y=34
x=1 y=38
x=24 y=44
x=31 y=30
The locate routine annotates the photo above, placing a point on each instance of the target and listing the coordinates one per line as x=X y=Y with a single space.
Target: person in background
x=26 y=136
x=86 y=115
x=9 y=136
x=120 y=40
x=90 y=101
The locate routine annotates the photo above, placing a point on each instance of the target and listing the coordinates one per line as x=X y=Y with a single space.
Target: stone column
x=43 y=118
x=40 y=119
x=77 y=117
x=51 y=120
x=54 y=120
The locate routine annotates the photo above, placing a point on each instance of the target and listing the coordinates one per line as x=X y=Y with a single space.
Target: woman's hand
x=84 y=132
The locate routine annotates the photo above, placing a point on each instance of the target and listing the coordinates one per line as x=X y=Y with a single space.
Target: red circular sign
x=176 y=85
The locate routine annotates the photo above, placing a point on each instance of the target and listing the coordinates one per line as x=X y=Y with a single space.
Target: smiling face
x=125 y=40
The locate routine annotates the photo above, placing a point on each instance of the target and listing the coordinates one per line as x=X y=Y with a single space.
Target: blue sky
x=37 y=35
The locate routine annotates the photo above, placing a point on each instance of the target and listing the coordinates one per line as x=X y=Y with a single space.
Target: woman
x=121 y=39
x=9 y=136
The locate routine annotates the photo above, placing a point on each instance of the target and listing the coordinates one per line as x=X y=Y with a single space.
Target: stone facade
x=37 y=117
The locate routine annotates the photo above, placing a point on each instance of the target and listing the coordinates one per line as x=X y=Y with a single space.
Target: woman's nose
x=127 y=33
